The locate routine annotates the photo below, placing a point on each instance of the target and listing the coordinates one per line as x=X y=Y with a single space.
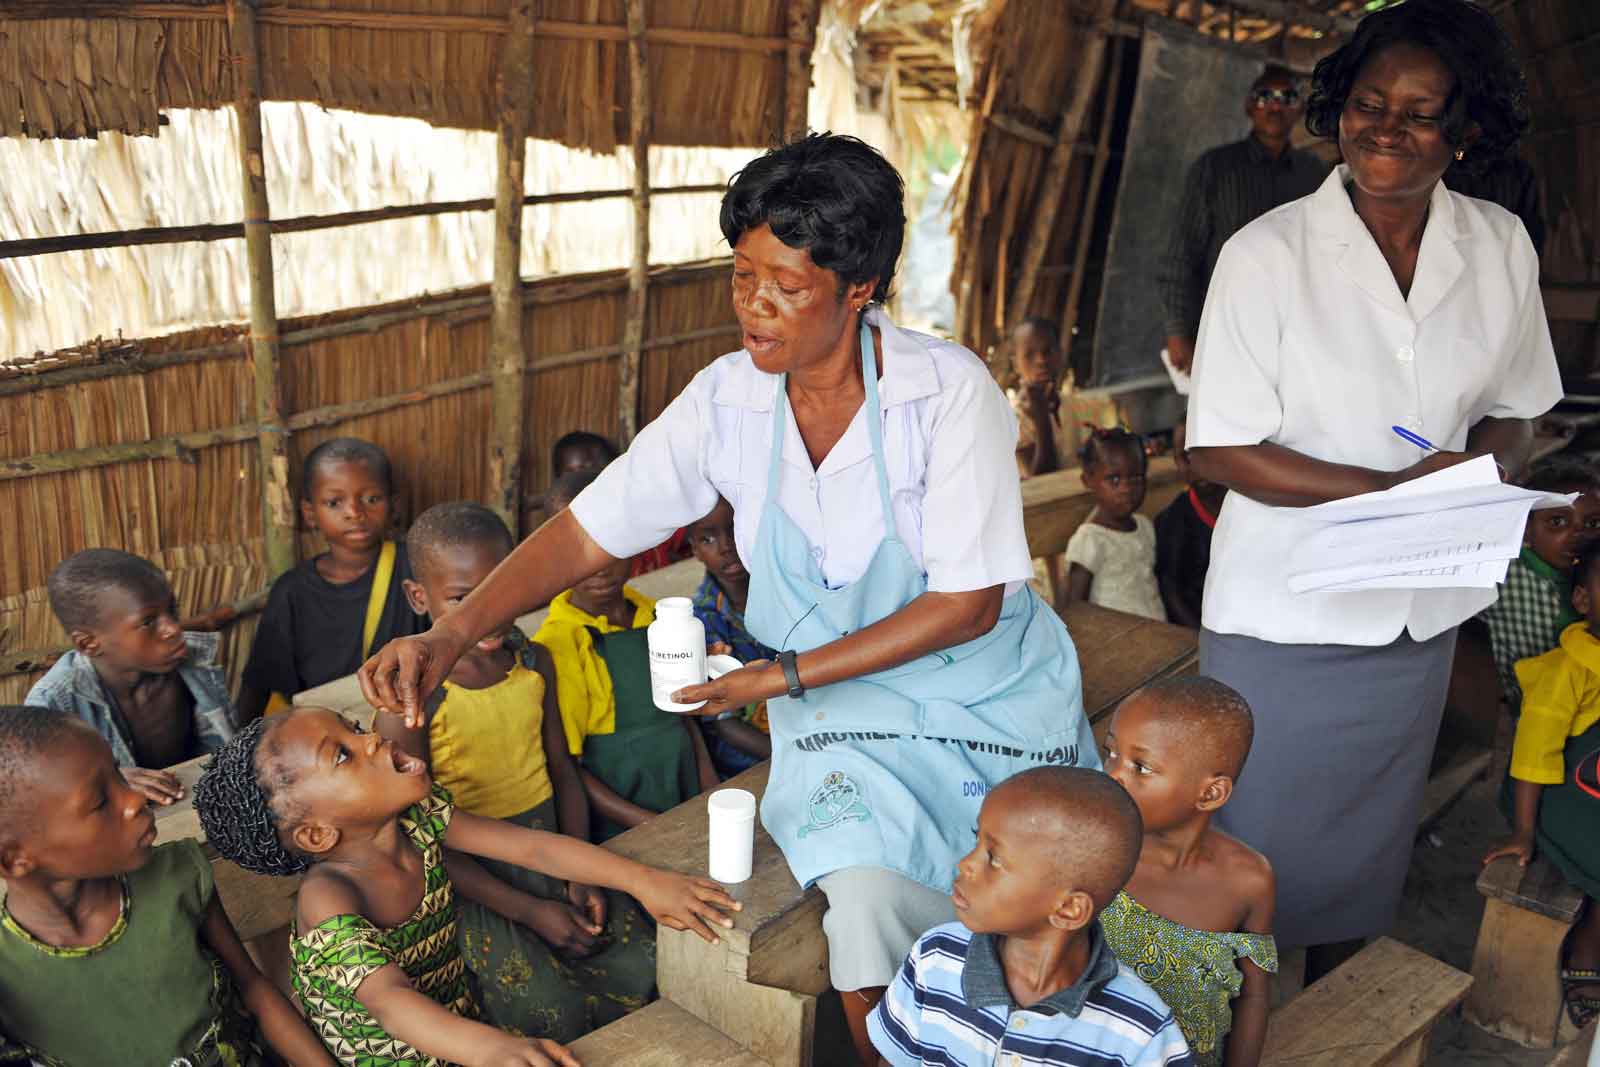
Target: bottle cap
x=732 y=804
x=674 y=605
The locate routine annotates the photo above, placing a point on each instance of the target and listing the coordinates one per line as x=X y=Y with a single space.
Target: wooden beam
x=639 y=269
x=1047 y=204
x=280 y=15
x=514 y=88
x=1068 y=321
x=222 y=231
x=802 y=20
x=277 y=506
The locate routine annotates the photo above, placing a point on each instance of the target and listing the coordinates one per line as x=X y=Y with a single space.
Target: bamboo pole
x=1047 y=203
x=802 y=28
x=639 y=270
x=223 y=231
x=1102 y=156
x=514 y=87
x=277 y=506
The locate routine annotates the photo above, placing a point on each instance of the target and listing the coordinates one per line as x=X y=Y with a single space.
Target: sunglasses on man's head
x=1285 y=97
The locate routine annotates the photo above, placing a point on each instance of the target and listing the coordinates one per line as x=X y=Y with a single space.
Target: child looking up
x=495 y=741
x=1535 y=603
x=153 y=691
x=1183 y=539
x=1551 y=813
x=738 y=740
x=1195 y=920
x=635 y=759
x=324 y=617
x=1026 y=970
x=1043 y=443
x=114 y=949
x=1112 y=555
x=374 y=954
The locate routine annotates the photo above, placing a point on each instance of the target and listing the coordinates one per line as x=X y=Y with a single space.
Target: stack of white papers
x=1456 y=528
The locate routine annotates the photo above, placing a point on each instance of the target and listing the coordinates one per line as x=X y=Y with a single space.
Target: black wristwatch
x=791 y=676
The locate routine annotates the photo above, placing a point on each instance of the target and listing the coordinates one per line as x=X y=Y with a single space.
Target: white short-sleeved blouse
x=949 y=442
x=1306 y=342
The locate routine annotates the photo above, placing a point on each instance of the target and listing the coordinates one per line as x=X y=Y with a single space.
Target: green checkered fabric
x=1535 y=605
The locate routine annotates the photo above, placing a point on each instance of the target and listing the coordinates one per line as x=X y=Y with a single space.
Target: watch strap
x=791 y=675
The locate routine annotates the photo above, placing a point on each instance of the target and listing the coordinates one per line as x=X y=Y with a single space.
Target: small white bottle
x=677 y=652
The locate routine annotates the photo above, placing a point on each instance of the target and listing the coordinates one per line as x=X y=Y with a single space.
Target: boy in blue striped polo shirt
x=1025 y=977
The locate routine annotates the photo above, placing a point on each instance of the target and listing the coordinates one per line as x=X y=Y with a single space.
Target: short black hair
x=1098 y=831
x=346 y=450
x=1101 y=439
x=78 y=585
x=27 y=735
x=239 y=799
x=1215 y=713
x=1273 y=72
x=580 y=439
x=1564 y=474
x=448 y=525
x=832 y=195
x=1042 y=325
x=1490 y=89
x=567 y=487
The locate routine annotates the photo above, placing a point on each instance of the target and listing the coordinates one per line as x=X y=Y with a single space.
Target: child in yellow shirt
x=1560 y=724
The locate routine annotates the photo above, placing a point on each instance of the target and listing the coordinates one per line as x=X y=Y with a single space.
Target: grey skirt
x=1333 y=786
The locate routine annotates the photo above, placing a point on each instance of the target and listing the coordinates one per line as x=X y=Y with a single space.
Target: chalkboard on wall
x=1189 y=97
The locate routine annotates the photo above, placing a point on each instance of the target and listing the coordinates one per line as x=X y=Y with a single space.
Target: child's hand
x=162 y=787
x=563 y=927
x=683 y=903
x=590 y=902
x=1520 y=845
x=1041 y=400
x=529 y=1052
x=719 y=648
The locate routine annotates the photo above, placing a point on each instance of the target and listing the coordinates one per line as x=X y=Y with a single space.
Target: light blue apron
x=889 y=769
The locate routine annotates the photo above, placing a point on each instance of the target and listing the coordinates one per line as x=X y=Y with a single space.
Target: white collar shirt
x=949 y=444
x=1307 y=342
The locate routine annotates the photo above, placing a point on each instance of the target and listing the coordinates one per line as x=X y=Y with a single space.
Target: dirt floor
x=1440 y=916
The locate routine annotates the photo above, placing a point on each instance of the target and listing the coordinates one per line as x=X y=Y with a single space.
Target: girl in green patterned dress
x=374 y=954
x=1195 y=920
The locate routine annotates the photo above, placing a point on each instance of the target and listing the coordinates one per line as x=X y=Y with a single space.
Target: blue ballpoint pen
x=1416 y=439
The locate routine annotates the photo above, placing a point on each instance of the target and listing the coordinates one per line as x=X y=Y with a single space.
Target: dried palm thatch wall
x=717 y=69
x=411 y=377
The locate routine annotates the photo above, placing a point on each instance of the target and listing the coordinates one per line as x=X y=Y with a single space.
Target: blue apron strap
x=869 y=376
x=780 y=429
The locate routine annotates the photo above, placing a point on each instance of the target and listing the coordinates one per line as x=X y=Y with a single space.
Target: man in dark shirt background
x=1226 y=188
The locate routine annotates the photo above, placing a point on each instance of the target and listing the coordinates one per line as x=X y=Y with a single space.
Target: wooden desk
x=1118 y=653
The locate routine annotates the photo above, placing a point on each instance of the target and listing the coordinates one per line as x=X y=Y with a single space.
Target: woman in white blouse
x=1380 y=300
x=877 y=507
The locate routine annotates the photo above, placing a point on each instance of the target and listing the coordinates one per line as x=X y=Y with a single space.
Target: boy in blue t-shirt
x=737 y=740
x=1026 y=971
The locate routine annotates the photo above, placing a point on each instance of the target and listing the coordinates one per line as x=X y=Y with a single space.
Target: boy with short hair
x=737 y=740
x=152 y=690
x=1026 y=970
x=1535 y=603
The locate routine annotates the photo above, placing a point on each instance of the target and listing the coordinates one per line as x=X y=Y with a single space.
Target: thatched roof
x=73 y=69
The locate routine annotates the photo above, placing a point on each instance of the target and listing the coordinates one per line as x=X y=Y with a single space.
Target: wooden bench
x=1378 y=1008
x=1526 y=914
x=662 y=1035
x=1578 y=1052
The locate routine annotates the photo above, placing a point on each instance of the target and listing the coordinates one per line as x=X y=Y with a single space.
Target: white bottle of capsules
x=677 y=652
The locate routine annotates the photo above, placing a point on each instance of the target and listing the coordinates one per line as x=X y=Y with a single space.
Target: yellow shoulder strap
x=381 y=576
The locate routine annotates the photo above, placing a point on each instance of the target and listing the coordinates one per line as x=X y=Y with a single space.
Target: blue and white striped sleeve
x=895 y=1024
x=1166 y=1048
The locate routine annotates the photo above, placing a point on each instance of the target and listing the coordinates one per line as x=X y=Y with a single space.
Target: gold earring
x=1461 y=153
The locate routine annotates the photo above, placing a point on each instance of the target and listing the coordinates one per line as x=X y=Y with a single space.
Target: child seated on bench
x=1550 y=810
x=737 y=740
x=1026 y=970
x=1195 y=920
x=324 y=617
x=495 y=741
x=152 y=690
x=115 y=950
x=1111 y=558
x=635 y=759
x=374 y=955
x=1535 y=602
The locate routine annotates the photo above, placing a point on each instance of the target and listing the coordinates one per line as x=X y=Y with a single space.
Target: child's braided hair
x=1100 y=439
x=235 y=808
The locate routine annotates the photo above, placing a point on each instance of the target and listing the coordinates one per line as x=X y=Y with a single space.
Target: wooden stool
x=662 y=1035
x=1377 y=1008
x=1526 y=913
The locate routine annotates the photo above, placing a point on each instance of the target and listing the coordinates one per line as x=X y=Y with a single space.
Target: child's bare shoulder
x=1247 y=872
x=325 y=893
